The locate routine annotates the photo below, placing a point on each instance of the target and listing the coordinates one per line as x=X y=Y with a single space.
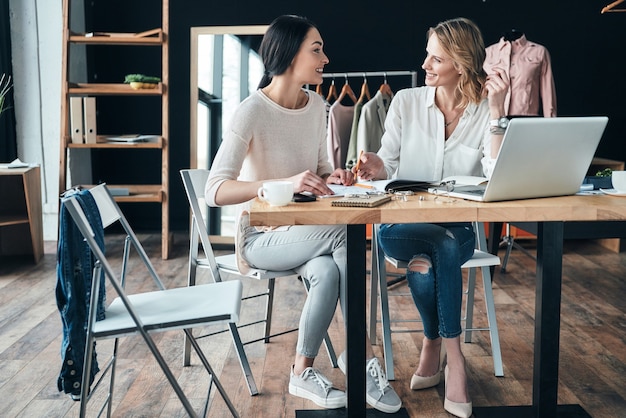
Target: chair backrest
x=106 y=206
x=482 y=257
x=110 y=213
x=194 y=181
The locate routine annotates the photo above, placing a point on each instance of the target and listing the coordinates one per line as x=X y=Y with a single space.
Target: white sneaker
x=379 y=392
x=311 y=384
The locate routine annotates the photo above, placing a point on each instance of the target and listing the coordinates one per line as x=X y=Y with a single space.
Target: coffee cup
x=618 y=179
x=276 y=193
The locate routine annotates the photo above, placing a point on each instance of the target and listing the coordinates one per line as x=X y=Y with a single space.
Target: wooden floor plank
x=592 y=363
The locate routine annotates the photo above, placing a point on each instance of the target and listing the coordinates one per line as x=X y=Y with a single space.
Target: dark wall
x=587 y=50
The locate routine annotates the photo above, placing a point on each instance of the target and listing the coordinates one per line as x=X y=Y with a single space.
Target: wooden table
x=551 y=215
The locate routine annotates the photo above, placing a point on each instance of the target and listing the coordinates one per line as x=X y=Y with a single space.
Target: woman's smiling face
x=439 y=67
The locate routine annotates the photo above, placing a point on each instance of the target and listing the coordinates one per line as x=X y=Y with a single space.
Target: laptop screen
x=542 y=157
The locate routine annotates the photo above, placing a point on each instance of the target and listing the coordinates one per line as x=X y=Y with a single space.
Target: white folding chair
x=147 y=312
x=481 y=259
x=194 y=181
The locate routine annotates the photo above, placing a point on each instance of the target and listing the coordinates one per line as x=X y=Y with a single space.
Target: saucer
x=613 y=192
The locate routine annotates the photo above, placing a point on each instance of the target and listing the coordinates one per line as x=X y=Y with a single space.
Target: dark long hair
x=281 y=43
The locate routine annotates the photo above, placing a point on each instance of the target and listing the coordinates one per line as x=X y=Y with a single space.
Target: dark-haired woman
x=279 y=133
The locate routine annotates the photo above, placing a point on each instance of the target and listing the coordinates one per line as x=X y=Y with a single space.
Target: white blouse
x=414 y=129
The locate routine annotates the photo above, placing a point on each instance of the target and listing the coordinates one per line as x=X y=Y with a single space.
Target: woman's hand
x=341 y=176
x=497 y=87
x=370 y=166
x=308 y=181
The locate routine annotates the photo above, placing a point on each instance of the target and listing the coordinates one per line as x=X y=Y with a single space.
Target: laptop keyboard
x=477 y=192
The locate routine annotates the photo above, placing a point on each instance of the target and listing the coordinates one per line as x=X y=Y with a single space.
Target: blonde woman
x=448 y=127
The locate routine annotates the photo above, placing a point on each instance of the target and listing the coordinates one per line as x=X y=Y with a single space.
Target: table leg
x=355 y=320
x=355 y=329
x=547 y=328
x=547 y=317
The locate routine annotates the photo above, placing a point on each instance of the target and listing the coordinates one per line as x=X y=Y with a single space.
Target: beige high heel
x=458 y=409
x=421 y=382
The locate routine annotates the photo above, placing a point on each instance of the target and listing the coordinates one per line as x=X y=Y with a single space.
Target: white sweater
x=266 y=141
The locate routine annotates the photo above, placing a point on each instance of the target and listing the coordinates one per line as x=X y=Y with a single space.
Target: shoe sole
x=388 y=409
x=324 y=403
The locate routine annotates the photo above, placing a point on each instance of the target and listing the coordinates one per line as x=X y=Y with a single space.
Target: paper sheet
x=15 y=164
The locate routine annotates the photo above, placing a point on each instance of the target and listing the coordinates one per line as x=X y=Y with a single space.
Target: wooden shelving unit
x=112 y=90
x=153 y=38
x=21 y=223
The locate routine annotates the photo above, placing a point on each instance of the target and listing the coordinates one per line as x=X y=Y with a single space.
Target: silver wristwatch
x=498 y=126
x=501 y=123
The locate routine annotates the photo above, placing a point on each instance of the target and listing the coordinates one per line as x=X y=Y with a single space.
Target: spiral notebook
x=362 y=201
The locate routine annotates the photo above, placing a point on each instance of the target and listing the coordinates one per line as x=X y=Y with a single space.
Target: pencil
x=365 y=186
x=358 y=163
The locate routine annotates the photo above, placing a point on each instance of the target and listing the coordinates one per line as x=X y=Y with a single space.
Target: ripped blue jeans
x=437 y=293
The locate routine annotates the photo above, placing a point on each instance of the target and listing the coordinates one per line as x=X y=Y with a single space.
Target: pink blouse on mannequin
x=528 y=66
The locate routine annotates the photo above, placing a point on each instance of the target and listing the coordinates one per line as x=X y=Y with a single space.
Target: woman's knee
x=322 y=272
x=419 y=264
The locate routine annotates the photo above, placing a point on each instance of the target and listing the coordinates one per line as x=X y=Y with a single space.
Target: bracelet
x=496 y=130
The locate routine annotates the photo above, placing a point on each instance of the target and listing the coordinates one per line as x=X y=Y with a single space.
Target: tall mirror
x=225 y=69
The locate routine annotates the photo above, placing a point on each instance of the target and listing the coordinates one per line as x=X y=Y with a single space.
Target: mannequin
x=528 y=66
x=512 y=35
x=532 y=91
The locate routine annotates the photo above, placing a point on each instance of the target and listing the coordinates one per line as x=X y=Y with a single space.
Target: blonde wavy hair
x=461 y=39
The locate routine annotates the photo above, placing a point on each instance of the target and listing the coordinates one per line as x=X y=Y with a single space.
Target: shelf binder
x=89 y=114
x=76 y=119
x=366 y=201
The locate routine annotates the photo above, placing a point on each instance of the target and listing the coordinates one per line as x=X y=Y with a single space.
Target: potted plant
x=602 y=179
x=5 y=86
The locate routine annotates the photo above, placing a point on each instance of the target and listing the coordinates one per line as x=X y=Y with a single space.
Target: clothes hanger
x=332 y=92
x=365 y=91
x=610 y=7
x=346 y=90
x=385 y=88
x=319 y=89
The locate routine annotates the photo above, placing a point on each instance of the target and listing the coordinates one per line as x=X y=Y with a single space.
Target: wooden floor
x=593 y=340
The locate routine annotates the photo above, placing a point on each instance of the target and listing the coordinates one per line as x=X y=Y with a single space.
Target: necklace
x=446 y=124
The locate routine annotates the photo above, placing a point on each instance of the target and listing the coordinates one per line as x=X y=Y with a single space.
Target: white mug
x=276 y=193
x=618 y=179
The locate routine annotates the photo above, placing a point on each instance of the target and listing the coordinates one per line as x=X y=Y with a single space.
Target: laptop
x=539 y=157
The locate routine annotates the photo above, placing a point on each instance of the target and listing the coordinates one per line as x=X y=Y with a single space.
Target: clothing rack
x=343 y=136
x=366 y=74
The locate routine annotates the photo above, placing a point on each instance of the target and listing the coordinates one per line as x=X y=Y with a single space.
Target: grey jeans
x=318 y=254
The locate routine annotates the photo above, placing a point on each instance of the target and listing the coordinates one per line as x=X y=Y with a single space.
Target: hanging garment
x=528 y=66
x=75 y=264
x=352 y=152
x=339 y=128
x=372 y=122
